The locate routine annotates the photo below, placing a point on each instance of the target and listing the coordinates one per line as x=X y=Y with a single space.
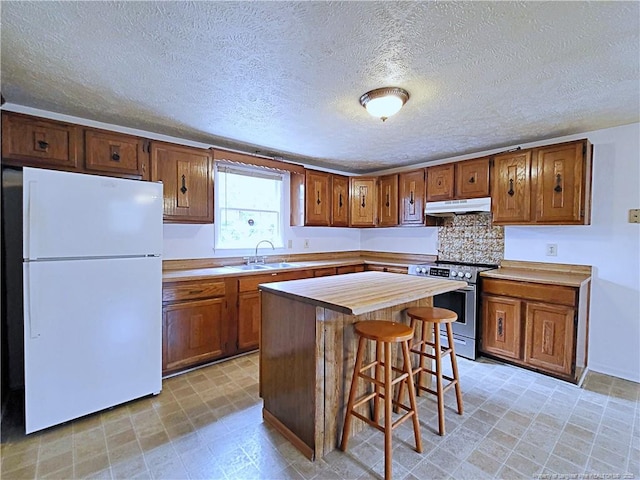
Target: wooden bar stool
x=384 y=333
x=436 y=316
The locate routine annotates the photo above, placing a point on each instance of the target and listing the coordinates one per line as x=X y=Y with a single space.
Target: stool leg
x=438 y=355
x=388 y=452
x=401 y=385
x=423 y=350
x=454 y=367
x=376 y=399
x=352 y=395
x=412 y=396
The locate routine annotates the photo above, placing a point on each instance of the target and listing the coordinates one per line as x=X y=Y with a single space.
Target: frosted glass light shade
x=384 y=102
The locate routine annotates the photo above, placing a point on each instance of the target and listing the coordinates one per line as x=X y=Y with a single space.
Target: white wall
x=610 y=245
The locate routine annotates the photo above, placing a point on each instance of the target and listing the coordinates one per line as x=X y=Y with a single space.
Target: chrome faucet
x=262 y=241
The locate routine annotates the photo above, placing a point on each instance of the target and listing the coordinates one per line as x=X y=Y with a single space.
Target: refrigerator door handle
x=30 y=302
x=30 y=224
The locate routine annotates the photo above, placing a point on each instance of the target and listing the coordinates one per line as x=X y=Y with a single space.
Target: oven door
x=463 y=302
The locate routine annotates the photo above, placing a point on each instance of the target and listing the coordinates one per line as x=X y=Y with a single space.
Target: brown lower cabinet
x=386 y=268
x=541 y=327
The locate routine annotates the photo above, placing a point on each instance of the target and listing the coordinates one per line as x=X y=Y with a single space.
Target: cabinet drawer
x=349 y=269
x=251 y=283
x=531 y=291
x=192 y=290
x=324 y=272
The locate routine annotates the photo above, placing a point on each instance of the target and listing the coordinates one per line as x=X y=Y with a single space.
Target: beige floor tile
x=89 y=466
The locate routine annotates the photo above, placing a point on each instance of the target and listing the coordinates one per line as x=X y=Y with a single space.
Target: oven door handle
x=468 y=288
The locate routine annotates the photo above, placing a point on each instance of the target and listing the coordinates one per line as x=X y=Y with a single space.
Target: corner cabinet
x=363 y=201
x=539 y=326
x=543 y=186
x=187 y=177
x=412 y=197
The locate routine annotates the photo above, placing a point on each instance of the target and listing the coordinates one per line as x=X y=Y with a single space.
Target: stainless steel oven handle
x=468 y=288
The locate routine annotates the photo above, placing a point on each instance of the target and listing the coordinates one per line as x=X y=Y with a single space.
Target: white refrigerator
x=92 y=293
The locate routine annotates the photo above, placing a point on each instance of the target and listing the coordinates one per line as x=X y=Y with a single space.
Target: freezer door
x=71 y=215
x=92 y=336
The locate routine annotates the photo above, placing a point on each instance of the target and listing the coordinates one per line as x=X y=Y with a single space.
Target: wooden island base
x=308 y=347
x=307 y=367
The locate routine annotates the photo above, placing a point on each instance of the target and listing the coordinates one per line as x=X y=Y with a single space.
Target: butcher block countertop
x=548 y=274
x=359 y=293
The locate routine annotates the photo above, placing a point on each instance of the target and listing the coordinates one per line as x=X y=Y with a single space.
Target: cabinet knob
x=511 y=192
x=363 y=204
x=43 y=145
x=387 y=202
x=411 y=201
x=500 y=326
x=340 y=200
x=472 y=180
x=115 y=157
x=318 y=201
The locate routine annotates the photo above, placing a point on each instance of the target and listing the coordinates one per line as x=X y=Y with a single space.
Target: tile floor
x=208 y=424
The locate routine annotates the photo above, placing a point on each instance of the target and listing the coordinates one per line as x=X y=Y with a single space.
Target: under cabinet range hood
x=448 y=208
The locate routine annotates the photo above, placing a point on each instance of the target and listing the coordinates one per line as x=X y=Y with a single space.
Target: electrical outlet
x=552 y=249
x=306 y=243
x=289 y=243
x=634 y=215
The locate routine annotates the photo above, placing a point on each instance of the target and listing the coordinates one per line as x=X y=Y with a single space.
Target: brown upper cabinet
x=37 y=142
x=317 y=205
x=187 y=177
x=440 y=184
x=363 y=201
x=340 y=203
x=544 y=186
x=319 y=199
x=388 y=201
x=116 y=153
x=412 y=193
x=472 y=178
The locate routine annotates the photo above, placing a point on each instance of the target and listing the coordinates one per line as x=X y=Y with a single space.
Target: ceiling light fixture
x=384 y=102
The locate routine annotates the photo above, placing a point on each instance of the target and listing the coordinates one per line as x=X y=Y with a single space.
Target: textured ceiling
x=284 y=78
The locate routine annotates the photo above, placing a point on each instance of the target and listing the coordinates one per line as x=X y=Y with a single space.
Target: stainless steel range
x=463 y=301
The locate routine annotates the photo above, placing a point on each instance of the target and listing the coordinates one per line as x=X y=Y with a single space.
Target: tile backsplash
x=471 y=238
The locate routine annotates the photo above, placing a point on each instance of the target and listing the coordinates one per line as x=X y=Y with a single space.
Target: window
x=249 y=206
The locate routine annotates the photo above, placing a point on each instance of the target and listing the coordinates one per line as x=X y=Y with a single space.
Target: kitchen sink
x=281 y=265
x=253 y=266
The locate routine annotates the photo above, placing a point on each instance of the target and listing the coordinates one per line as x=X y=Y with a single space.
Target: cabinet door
x=440 y=182
x=249 y=320
x=510 y=188
x=317 y=198
x=340 y=203
x=31 y=141
x=115 y=153
x=193 y=333
x=501 y=325
x=549 y=337
x=363 y=201
x=186 y=174
x=412 y=197
x=388 y=201
x=472 y=178
x=558 y=181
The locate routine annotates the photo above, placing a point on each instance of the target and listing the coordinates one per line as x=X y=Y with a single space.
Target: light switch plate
x=634 y=215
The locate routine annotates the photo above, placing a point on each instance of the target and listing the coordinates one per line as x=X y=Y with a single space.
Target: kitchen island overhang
x=308 y=346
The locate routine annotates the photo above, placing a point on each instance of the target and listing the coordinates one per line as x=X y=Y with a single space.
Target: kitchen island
x=308 y=347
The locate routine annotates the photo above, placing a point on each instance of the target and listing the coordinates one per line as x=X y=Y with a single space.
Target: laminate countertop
x=363 y=292
x=547 y=277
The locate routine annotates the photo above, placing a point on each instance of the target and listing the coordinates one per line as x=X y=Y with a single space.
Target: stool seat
x=382 y=331
x=432 y=314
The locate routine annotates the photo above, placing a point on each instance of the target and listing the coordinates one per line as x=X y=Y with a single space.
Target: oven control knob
x=422 y=270
x=467 y=275
x=453 y=273
x=460 y=274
